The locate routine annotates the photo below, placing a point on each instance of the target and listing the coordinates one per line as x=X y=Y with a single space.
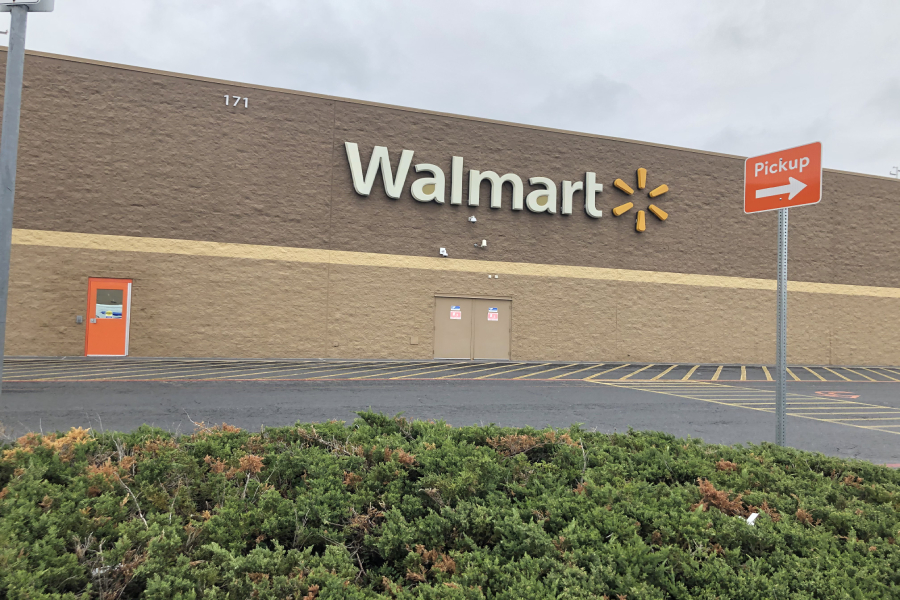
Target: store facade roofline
x=435 y=113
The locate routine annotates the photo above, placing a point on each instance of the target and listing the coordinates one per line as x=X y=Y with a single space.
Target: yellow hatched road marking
x=698 y=386
x=821 y=412
x=170 y=373
x=816 y=374
x=215 y=374
x=740 y=395
x=115 y=367
x=689 y=373
x=663 y=373
x=591 y=377
x=447 y=368
x=679 y=384
x=882 y=374
x=790 y=403
x=835 y=415
x=578 y=371
x=836 y=373
x=858 y=373
x=315 y=369
x=510 y=371
x=343 y=367
x=874 y=419
x=881 y=428
x=118 y=370
x=387 y=367
x=667 y=391
x=74 y=368
x=843 y=408
x=760 y=394
x=419 y=367
x=838 y=418
x=182 y=372
x=91 y=363
x=256 y=371
x=635 y=373
x=476 y=371
x=542 y=372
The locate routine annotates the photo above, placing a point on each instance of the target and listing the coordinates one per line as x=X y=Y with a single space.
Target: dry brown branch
x=345 y=448
x=713 y=497
x=133 y=497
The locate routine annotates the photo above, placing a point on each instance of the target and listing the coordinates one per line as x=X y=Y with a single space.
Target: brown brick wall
x=117 y=151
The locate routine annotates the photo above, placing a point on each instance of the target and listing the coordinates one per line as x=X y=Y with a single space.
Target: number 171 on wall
x=237 y=100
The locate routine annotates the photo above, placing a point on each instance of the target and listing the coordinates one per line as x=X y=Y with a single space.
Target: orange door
x=109 y=315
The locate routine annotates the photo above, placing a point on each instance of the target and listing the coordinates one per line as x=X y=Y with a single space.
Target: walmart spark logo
x=659 y=213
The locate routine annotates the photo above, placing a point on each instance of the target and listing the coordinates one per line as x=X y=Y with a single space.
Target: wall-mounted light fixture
x=472 y=219
x=444 y=252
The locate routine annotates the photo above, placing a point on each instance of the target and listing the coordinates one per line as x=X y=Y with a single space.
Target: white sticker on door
x=493 y=314
x=455 y=313
x=109 y=311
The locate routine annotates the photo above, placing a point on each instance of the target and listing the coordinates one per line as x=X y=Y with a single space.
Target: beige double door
x=472 y=328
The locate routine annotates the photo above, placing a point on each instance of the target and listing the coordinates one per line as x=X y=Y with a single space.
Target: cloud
x=886 y=101
x=591 y=106
x=740 y=78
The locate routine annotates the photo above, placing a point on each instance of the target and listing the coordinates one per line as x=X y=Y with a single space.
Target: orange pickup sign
x=783 y=179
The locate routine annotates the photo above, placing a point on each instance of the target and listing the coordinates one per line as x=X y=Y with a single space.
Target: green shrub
x=390 y=508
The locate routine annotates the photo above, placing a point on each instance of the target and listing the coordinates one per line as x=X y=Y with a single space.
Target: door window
x=109 y=304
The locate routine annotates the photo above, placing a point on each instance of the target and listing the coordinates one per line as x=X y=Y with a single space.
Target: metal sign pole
x=9 y=147
x=781 y=351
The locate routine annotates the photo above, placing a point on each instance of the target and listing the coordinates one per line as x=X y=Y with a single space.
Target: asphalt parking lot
x=843 y=411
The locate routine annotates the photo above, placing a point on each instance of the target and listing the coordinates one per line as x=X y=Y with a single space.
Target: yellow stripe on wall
x=120 y=243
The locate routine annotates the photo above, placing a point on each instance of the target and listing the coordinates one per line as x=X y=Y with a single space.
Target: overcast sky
x=737 y=77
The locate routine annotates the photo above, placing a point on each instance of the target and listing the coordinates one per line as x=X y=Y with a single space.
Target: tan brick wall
x=182 y=306
x=225 y=307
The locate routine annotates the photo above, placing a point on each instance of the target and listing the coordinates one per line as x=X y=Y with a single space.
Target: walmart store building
x=184 y=216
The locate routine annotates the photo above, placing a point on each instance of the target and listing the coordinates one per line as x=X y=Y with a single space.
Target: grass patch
x=390 y=508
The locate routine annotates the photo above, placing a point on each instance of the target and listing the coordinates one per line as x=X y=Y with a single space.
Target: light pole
x=9 y=139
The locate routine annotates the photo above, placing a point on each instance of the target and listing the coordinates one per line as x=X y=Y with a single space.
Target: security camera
x=444 y=252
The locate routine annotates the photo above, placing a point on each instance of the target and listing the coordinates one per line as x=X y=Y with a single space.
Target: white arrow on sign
x=793 y=188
